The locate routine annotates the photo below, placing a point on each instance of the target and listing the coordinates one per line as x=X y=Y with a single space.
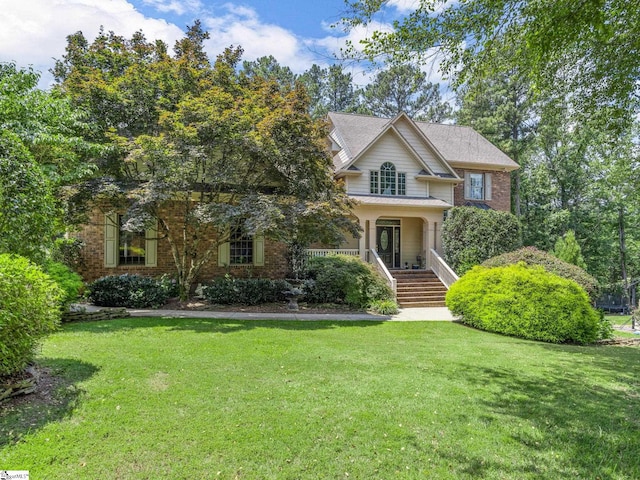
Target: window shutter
x=258 y=250
x=151 y=246
x=467 y=185
x=487 y=186
x=111 y=228
x=224 y=254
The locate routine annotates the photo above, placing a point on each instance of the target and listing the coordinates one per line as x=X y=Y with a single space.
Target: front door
x=388 y=244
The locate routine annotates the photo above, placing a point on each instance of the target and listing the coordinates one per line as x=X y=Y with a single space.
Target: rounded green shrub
x=244 y=291
x=69 y=281
x=132 y=291
x=29 y=310
x=552 y=264
x=526 y=302
x=344 y=279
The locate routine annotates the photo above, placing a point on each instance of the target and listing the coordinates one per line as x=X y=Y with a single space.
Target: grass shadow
x=212 y=325
x=592 y=421
x=54 y=399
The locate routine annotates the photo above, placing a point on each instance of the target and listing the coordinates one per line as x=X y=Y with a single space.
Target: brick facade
x=500 y=189
x=92 y=265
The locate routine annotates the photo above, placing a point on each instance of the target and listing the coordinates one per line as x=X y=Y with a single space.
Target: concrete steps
x=419 y=288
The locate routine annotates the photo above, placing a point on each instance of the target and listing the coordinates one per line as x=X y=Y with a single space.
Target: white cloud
x=404 y=6
x=242 y=26
x=34 y=32
x=179 y=7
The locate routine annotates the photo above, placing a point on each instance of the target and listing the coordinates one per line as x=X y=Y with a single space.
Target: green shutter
x=224 y=253
x=111 y=228
x=258 y=250
x=151 y=246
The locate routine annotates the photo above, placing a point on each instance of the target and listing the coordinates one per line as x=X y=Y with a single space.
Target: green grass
x=198 y=399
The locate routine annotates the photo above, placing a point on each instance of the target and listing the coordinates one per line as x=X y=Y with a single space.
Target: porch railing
x=442 y=270
x=323 y=252
x=379 y=264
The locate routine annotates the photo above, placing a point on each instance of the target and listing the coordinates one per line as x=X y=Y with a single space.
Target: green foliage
x=68 y=251
x=29 y=310
x=69 y=282
x=27 y=207
x=568 y=249
x=384 y=307
x=560 y=45
x=226 y=148
x=471 y=235
x=526 y=302
x=404 y=88
x=533 y=256
x=131 y=291
x=344 y=279
x=244 y=291
x=40 y=151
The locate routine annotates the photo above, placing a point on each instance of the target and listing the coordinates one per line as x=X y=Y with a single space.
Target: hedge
x=132 y=291
x=344 y=279
x=29 y=310
x=552 y=264
x=525 y=301
x=471 y=235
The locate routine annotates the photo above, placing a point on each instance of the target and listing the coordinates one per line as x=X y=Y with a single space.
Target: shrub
x=132 y=291
x=29 y=310
x=69 y=281
x=68 y=251
x=384 y=307
x=244 y=291
x=471 y=235
x=526 y=302
x=552 y=264
x=344 y=279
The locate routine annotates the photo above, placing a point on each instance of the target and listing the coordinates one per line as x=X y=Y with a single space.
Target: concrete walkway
x=405 y=315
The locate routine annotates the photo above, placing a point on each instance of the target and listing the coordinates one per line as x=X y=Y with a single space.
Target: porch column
x=425 y=243
x=362 y=241
x=372 y=234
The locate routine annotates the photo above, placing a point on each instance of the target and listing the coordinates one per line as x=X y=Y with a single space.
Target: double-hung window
x=477 y=186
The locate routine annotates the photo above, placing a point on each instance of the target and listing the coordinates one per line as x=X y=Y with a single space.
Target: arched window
x=388 y=179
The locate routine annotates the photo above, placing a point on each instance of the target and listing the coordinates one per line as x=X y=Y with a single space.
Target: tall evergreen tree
x=404 y=88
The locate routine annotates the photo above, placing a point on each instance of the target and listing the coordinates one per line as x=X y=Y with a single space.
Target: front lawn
x=189 y=399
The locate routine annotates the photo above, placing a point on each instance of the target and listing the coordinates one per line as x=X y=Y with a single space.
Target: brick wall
x=500 y=190
x=92 y=267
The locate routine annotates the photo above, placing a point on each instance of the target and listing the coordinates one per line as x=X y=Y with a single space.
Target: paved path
x=405 y=315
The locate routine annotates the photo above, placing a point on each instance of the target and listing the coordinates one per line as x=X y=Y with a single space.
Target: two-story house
x=403 y=174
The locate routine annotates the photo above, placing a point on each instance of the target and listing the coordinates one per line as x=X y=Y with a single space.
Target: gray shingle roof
x=459 y=145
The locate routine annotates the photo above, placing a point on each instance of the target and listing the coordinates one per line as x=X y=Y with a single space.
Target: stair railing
x=443 y=271
x=377 y=261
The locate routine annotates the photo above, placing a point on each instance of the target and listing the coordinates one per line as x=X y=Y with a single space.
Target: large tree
x=40 y=151
x=223 y=150
x=404 y=88
x=586 y=49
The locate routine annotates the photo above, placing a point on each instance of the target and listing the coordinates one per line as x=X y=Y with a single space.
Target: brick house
x=403 y=174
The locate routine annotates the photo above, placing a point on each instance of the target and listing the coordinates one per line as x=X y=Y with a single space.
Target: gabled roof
x=457 y=145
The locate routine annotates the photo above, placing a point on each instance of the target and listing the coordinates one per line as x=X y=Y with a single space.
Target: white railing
x=442 y=270
x=324 y=252
x=377 y=261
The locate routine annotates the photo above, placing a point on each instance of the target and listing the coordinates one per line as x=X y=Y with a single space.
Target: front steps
x=419 y=288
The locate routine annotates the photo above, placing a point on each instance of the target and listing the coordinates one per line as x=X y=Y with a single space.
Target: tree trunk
x=623 y=255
